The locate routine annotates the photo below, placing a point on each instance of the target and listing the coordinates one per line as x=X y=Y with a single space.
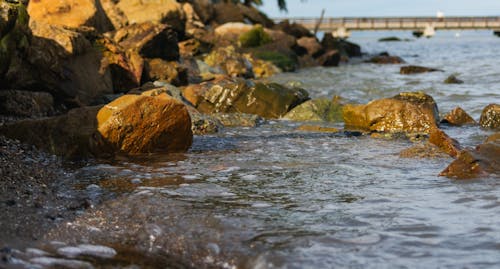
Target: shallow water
x=274 y=197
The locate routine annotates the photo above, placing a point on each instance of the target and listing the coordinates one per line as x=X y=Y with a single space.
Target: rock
x=26 y=104
x=171 y=72
x=262 y=68
x=330 y=58
x=386 y=59
x=470 y=164
x=312 y=46
x=493 y=137
x=447 y=144
x=490 y=117
x=458 y=117
x=202 y=124
x=149 y=40
x=232 y=30
x=389 y=39
x=114 y=14
x=70 y=13
x=237 y=119
x=254 y=37
x=285 y=62
x=229 y=12
x=234 y=95
x=423 y=150
x=346 y=49
x=135 y=124
x=317 y=128
x=452 y=79
x=231 y=62
x=204 y=9
x=294 y=29
x=409 y=113
x=126 y=66
x=64 y=63
x=413 y=69
x=159 y=11
x=321 y=109
x=73 y=135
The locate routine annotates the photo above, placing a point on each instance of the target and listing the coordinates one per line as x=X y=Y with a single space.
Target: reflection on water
x=272 y=196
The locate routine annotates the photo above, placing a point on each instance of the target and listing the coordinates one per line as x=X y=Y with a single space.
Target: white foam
x=46 y=261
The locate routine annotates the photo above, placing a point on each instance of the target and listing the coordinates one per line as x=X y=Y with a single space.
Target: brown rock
x=386 y=59
x=230 y=61
x=294 y=29
x=70 y=13
x=410 y=113
x=413 y=69
x=149 y=40
x=346 y=49
x=458 y=117
x=204 y=9
x=311 y=44
x=423 y=150
x=493 y=138
x=317 y=128
x=330 y=58
x=126 y=67
x=447 y=144
x=452 y=79
x=134 y=124
x=229 y=12
x=171 y=72
x=470 y=164
x=490 y=117
x=159 y=11
x=26 y=104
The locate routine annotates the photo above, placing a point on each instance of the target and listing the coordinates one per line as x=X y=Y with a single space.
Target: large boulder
x=157 y=11
x=410 y=113
x=149 y=39
x=230 y=61
x=229 y=12
x=234 y=95
x=134 y=124
x=294 y=29
x=321 y=109
x=484 y=160
x=71 y=13
x=490 y=117
x=26 y=104
x=347 y=49
x=312 y=45
x=73 y=135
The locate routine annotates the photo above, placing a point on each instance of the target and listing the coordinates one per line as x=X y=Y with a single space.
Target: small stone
x=458 y=117
x=490 y=117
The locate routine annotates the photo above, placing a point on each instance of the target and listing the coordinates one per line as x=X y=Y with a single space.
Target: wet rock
x=413 y=69
x=386 y=59
x=294 y=29
x=261 y=68
x=171 y=72
x=312 y=46
x=237 y=119
x=125 y=66
x=73 y=135
x=490 y=117
x=346 y=49
x=204 y=9
x=452 y=79
x=484 y=160
x=330 y=58
x=230 y=61
x=202 y=124
x=447 y=144
x=493 y=137
x=423 y=151
x=26 y=104
x=458 y=117
x=233 y=95
x=161 y=11
x=321 y=109
x=317 y=128
x=409 y=113
x=134 y=124
x=150 y=40
x=71 y=13
x=389 y=39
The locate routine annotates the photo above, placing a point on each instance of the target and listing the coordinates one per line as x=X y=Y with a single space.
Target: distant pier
x=421 y=26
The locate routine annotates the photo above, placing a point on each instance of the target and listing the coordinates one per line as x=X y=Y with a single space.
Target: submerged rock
x=389 y=39
x=386 y=59
x=134 y=124
x=317 y=128
x=490 y=117
x=458 y=117
x=321 y=109
x=237 y=119
x=234 y=95
x=470 y=164
x=413 y=69
x=452 y=79
x=410 y=113
x=423 y=150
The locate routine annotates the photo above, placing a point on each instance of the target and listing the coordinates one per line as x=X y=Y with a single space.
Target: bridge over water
x=425 y=26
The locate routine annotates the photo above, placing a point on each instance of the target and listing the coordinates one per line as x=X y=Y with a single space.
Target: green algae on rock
x=320 y=109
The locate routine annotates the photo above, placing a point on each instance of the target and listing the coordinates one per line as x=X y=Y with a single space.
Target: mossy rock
x=284 y=62
x=321 y=109
x=255 y=37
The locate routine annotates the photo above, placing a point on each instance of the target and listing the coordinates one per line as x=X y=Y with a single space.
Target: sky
x=378 y=8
